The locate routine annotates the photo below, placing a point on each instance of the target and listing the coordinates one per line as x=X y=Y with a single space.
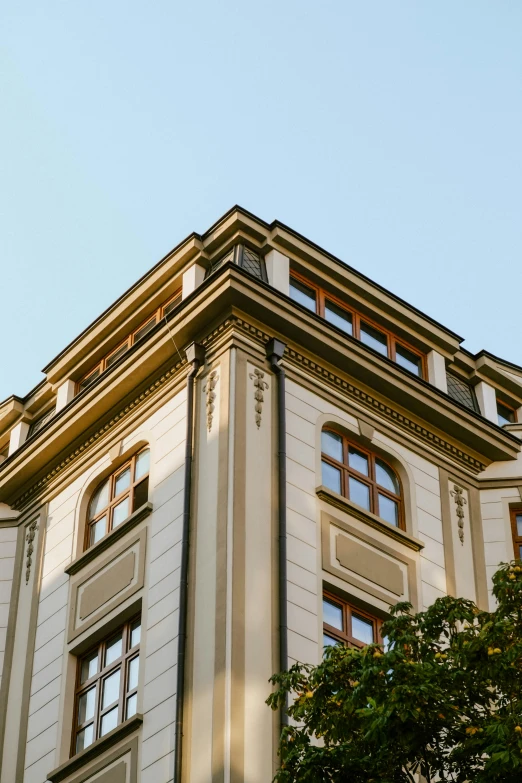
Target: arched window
x=118 y=496
x=361 y=476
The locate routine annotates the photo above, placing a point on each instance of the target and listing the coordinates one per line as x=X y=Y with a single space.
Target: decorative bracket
x=460 y=502
x=31 y=533
x=259 y=388
x=211 y=396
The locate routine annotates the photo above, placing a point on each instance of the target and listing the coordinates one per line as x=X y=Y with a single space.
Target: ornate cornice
x=292 y=357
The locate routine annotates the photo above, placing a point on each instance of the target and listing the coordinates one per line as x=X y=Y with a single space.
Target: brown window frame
x=103 y=364
x=370 y=480
x=322 y=295
x=123 y=662
x=517 y=540
x=115 y=500
x=508 y=408
x=348 y=609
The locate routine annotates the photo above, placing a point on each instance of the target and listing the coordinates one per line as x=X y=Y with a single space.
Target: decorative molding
x=460 y=501
x=30 y=536
x=260 y=386
x=208 y=388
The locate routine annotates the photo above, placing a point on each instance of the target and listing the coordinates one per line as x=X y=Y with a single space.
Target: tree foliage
x=444 y=700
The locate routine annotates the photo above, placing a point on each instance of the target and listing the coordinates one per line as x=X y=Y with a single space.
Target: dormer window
x=244 y=257
x=333 y=310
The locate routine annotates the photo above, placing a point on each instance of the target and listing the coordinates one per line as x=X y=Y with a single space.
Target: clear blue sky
x=388 y=132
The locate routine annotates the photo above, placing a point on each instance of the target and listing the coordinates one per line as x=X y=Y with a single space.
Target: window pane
x=132 y=705
x=460 y=391
x=328 y=641
x=375 y=339
x=331 y=477
x=90 y=378
x=122 y=482
x=505 y=415
x=332 y=614
x=385 y=477
x=141 y=494
x=145 y=329
x=302 y=294
x=332 y=445
x=520 y=552
x=89 y=667
x=388 y=510
x=114 y=650
x=135 y=635
x=84 y=738
x=98 y=530
x=362 y=629
x=359 y=493
x=86 y=706
x=171 y=305
x=116 y=355
x=111 y=689
x=357 y=460
x=338 y=317
x=109 y=722
x=100 y=500
x=407 y=359
x=120 y=512
x=519 y=525
x=132 y=680
x=142 y=464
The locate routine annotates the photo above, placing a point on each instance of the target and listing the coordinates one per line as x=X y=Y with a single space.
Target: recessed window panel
x=409 y=360
x=142 y=464
x=362 y=629
x=90 y=378
x=172 y=305
x=89 y=667
x=374 y=339
x=116 y=355
x=135 y=634
x=359 y=493
x=505 y=415
x=97 y=530
x=385 y=477
x=388 y=510
x=111 y=689
x=109 y=722
x=145 y=329
x=461 y=391
x=86 y=704
x=132 y=705
x=332 y=614
x=331 y=477
x=100 y=500
x=332 y=445
x=122 y=482
x=120 y=512
x=141 y=493
x=338 y=317
x=114 y=649
x=302 y=294
x=357 y=460
x=132 y=677
x=84 y=738
x=519 y=525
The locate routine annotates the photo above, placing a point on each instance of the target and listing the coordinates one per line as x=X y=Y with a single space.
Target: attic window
x=245 y=258
x=37 y=425
x=461 y=391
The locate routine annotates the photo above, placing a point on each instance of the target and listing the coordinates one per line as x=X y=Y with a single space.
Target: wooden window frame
x=123 y=662
x=370 y=480
x=115 y=500
x=321 y=296
x=517 y=540
x=347 y=610
x=129 y=341
x=508 y=407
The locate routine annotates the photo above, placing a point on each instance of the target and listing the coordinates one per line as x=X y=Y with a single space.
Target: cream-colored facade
x=460 y=475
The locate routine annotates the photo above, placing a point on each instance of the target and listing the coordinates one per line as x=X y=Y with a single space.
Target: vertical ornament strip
x=259 y=388
x=211 y=396
x=30 y=536
x=460 y=502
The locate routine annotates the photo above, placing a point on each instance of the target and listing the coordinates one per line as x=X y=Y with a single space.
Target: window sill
x=368 y=518
x=107 y=541
x=93 y=751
